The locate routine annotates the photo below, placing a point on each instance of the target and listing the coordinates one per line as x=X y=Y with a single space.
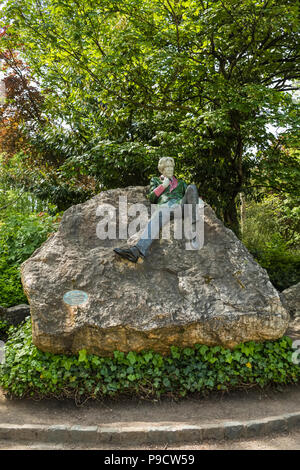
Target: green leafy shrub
x=271 y=234
x=46 y=186
x=283 y=266
x=29 y=372
x=20 y=236
x=11 y=290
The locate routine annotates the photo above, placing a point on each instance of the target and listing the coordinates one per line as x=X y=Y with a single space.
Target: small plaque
x=75 y=297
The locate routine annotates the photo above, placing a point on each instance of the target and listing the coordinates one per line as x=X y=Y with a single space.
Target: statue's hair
x=162 y=162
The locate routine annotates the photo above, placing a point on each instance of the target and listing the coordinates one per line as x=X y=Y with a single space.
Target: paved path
x=236 y=406
x=286 y=441
x=247 y=415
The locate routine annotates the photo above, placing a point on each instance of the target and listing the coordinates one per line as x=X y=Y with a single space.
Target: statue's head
x=166 y=166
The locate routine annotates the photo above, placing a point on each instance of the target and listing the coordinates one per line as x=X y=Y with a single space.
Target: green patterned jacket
x=170 y=195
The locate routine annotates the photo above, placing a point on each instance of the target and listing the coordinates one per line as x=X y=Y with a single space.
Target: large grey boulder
x=290 y=298
x=217 y=295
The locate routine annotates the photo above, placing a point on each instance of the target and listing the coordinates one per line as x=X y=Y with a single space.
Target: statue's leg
x=160 y=217
x=191 y=197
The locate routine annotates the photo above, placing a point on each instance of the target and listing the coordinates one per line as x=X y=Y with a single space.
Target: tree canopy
x=125 y=82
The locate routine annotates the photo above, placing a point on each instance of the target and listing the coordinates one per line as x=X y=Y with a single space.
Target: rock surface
x=217 y=295
x=14 y=315
x=290 y=298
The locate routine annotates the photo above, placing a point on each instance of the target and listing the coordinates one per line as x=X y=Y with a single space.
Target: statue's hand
x=166 y=182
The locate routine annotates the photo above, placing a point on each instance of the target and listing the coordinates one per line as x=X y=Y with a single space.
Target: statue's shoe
x=132 y=254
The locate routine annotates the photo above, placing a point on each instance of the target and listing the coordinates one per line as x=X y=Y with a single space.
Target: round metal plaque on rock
x=75 y=297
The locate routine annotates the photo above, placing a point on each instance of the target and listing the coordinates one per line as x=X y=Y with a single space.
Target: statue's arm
x=156 y=189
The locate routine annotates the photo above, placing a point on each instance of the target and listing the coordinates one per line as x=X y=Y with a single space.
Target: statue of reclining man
x=168 y=193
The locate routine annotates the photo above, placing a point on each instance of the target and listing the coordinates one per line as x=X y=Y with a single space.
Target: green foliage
x=11 y=291
x=29 y=372
x=5 y=329
x=276 y=172
x=55 y=188
x=283 y=266
x=21 y=233
x=125 y=82
x=272 y=222
x=271 y=232
x=3 y=325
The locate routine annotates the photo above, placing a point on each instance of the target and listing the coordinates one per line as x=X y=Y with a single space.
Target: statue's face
x=168 y=170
